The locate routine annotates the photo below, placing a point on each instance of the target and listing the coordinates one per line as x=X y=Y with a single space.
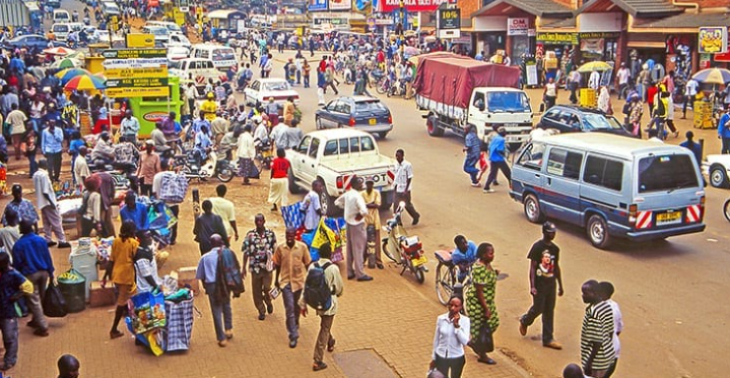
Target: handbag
x=484 y=342
x=54 y=305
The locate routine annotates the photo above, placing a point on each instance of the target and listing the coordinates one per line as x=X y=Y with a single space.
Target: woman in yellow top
x=209 y=107
x=121 y=270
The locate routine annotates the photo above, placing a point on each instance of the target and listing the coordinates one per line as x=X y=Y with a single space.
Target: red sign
x=722 y=57
x=387 y=6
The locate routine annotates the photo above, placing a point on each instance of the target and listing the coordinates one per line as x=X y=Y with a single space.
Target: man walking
x=11 y=290
x=622 y=79
x=291 y=259
x=46 y=202
x=497 y=159
x=596 y=335
x=207 y=225
x=544 y=273
x=333 y=279
x=472 y=147
x=32 y=259
x=690 y=94
x=355 y=212
x=149 y=165
x=403 y=184
x=246 y=152
x=258 y=253
x=606 y=292
x=52 y=146
x=225 y=209
x=220 y=300
x=22 y=207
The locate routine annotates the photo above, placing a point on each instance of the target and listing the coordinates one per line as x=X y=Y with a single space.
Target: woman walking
x=279 y=179
x=480 y=304
x=452 y=333
x=121 y=270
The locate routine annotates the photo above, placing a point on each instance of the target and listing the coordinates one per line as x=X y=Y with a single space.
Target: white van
x=195 y=70
x=171 y=26
x=61 y=30
x=162 y=35
x=223 y=57
x=61 y=15
x=179 y=40
x=111 y=9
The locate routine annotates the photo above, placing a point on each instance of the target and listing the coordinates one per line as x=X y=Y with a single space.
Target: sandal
x=331 y=345
x=487 y=361
x=115 y=334
x=319 y=366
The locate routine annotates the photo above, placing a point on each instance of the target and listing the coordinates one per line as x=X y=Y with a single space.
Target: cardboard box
x=186 y=278
x=101 y=296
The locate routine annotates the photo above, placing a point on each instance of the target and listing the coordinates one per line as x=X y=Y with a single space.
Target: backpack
x=316 y=292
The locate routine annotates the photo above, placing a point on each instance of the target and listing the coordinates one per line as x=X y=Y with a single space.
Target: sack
x=484 y=342
x=231 y=271
x=324 y=234
x=173 y=188
x=316 y=292
x=54 y=305
x=293 y=215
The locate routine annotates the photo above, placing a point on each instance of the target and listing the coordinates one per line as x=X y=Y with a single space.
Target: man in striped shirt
x=596 y=337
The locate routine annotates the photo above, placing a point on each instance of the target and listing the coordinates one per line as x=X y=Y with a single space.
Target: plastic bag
x=54 y=305
x=147 y=311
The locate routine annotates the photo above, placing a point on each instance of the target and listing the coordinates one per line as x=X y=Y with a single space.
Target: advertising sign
x=387 y=6
x=558 y=38
x=712 y=40
x=128 y=83
x=518 y=26
x=317 y=5
x=135 y=63
x=138 y=92
x=448 y=19
x=128 y=73
x=134 y=53
x=340 y=5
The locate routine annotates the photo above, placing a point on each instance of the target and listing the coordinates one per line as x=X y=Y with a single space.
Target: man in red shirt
x=650 y=94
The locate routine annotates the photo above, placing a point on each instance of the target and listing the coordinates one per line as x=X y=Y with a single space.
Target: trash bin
x=72 y=285
x=83 y=260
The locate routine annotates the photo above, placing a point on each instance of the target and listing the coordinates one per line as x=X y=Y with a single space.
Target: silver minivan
x=615 y=187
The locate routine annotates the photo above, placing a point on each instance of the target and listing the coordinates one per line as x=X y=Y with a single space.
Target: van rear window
x=666 y=172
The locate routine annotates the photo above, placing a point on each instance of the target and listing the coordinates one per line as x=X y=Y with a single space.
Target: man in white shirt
x=129 y=127
x=246 y=152
x=594 y=81
x=403 y=185
x=606 y=292
x=622 y=78
x=690 y=94
x=312 y=207
x=46 y=202
x=81 y=166
x=225 y=209
x=355 y=212
x=191 y=93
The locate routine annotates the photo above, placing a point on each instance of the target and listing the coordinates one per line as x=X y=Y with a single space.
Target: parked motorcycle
x=211 y=167
x=403 y=249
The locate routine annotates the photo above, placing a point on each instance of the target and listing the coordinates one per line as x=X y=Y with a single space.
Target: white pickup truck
x=334 y=157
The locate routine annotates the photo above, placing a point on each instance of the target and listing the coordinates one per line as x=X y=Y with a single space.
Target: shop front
x=602 y=46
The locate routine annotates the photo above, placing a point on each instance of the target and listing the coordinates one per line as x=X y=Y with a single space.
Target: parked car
x=61 y=15
x=55 y=4
x=263 y=89
x=568 y=119
x=361 y=112
x=31 y=41
x=717 y=170
x=111 y=9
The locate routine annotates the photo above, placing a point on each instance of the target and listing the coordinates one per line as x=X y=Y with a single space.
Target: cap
x=549 y=228
x=501 y=130
x=149 y=142
x=369 y=179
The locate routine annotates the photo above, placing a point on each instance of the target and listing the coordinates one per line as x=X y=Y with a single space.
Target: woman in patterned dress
x=480 y=299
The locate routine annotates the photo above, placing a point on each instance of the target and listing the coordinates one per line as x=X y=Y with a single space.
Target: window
x=532 y=156
x=345 y=108
x=355 y=144
x=369 y=106
x=603 y=172
x=552 y=114
x=330 y=148
x=313 y=148
x=666 y=172
x=564 y=163
x=367 y=144
x=478 y=100
x=344 y=146
x=304 y=145
x=332 y=106
x=508 y=101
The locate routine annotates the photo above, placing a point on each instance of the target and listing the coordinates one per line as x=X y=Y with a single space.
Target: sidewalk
x=383 y=326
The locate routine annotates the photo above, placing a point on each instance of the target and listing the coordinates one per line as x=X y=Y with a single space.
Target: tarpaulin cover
x=450 y=79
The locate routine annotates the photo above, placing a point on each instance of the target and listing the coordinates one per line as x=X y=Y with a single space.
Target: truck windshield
x=666 y=172
x=508 y=102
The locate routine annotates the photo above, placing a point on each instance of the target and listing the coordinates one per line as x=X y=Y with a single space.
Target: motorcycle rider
x=103 y=152
x=202 y=146
x=464 y=255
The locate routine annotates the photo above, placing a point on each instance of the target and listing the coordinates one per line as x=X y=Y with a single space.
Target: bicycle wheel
x=444 y=283
x=380 y=87
x=390 y=254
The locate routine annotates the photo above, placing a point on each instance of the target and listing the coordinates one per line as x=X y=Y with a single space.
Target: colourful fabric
x=487 y=279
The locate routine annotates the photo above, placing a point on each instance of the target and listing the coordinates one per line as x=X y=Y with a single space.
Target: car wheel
x=718 y=177
x=432 y=128
x=597 y=230
x=532 y=209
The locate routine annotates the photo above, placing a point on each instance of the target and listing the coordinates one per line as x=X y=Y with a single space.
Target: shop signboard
x=329 y=21
x=712 y=40
x=558 y=38
x=387 y=6
x=448 y=19
x=136 y=73
x=125 y=92
x=340 y=5
x=317 y=5
x=128 y=73
x=722 y=57
x=134 y=53
x=518 y=26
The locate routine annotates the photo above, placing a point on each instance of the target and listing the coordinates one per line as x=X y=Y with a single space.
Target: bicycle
x=447 y=278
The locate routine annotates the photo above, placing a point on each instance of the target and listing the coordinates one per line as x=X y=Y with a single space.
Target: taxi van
x=613 y=186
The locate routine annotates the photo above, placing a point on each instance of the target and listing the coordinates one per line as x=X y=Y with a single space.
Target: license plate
x=419 y=261
x=514 y=138
x=510 y=125
x=372 y=121
x=670 y=217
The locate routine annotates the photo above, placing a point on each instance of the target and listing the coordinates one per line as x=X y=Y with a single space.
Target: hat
x=549 y=228
x=149 y=142
x=501 y=129
x=369 y=179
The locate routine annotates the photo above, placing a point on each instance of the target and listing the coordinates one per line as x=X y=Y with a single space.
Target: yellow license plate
x=372 y=121
x=419 y=261
x=670 y=217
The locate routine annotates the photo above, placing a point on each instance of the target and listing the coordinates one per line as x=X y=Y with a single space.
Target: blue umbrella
x=719 y=76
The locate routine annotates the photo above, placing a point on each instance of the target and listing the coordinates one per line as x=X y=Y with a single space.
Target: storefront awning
x=687 y=22
x=539 y=8
x=636 y=8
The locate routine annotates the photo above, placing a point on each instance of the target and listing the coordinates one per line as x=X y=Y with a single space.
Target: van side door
x=603 y=189
x=561 y=197
x=527 y=173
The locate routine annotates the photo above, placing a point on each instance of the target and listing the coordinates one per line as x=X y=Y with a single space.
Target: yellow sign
x=713 y=40
x=128 y=73
x=140 y=40
x=138 y=92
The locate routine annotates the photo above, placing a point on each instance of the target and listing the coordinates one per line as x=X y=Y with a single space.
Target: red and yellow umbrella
x=85 y=83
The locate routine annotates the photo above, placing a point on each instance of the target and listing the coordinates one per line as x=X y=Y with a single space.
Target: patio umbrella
x=594 y=66
x=59 y=51
x=85 y=83
x=719 y=76
x=70 y=73
x=66 y=63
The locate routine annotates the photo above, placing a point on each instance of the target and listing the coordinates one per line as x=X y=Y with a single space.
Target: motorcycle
x=403 y=249
x=211 y=167
x=397 y=89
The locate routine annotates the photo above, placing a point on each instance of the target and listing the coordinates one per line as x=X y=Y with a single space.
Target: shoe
x=222 y=343
x=487 y=361
x=32 y=324
x=365 y=278
x=490 y=190
x=115 y=334
x=380 y=266
x=351 y=277
x=496 y=183
x=331 y=345
x=43 y=332
x=270 y=308
x=64 y=245
x=293 y=343
x=416 y=220
x=553 y=345
x=6 y=367
x=475 y=184
x=319 y=366
x=229 y=334
x=523 y=329
x=51 y=243
x=676 y=134
x=262 y=317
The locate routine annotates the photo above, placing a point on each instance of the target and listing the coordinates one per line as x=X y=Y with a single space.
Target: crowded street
x=670 y=291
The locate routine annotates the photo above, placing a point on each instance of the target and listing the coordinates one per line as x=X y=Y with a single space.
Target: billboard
x=387 y=6
x=340 y=5
x=712 y=40
x=317 y=5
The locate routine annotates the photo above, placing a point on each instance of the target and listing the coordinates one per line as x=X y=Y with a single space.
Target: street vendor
x=135 y=211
